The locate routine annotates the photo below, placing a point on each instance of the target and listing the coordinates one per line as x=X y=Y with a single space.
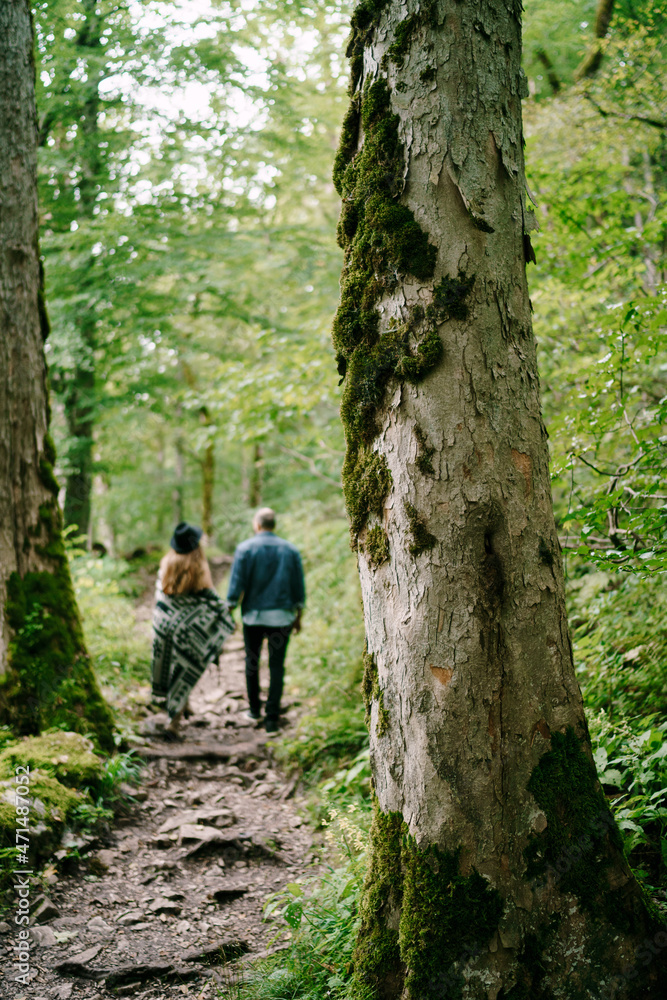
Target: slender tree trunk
x=590 y=64
x=80 y=393
x=177 y=492
x=47 y=677
x=255 y=476
x=208 y=483
x=208 y=480
x=497 y=871
x=160 y=478
x=79 y=404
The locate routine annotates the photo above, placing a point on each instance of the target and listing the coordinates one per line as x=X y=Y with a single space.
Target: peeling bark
x=481 y=761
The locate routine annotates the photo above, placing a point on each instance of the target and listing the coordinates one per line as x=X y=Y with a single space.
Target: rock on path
x=177 y=892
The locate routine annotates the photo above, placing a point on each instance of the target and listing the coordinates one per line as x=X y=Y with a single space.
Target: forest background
x=189 y=245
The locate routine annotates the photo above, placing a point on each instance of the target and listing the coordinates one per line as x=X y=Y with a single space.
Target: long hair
x=185 y=574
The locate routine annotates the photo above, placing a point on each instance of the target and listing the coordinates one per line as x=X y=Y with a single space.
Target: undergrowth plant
x=319 y=913
x=631 y=760
x=324 y=667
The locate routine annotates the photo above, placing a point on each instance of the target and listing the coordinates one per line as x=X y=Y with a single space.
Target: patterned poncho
x=188 y=633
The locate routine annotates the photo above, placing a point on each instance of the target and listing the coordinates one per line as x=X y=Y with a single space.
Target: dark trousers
x=253 y=637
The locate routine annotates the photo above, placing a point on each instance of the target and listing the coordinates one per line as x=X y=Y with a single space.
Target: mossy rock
x=51 y=804
x=65 y=756
x=62 y=765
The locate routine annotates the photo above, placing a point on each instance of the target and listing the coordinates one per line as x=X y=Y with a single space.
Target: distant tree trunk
x=47 y=677
x=160 y=477
x=552 y=75
x=79 y=396
x=255 y=476
x=79 y=404
x=208 y=480
x=590 y=64
x=496 y=868
x=179 y=469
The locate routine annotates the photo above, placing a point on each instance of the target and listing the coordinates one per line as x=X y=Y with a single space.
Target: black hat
x=185 y=538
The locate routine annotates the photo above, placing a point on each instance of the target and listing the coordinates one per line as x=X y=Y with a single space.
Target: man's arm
x=237 y=579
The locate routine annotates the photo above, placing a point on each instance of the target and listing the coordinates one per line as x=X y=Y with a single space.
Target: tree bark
x=46 y=674
x=496 y=871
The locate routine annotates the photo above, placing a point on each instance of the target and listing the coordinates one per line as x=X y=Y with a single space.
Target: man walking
x=267 y=577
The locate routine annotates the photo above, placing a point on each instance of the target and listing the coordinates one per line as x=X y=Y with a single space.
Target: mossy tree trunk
x=497 y=871
x=45 y=672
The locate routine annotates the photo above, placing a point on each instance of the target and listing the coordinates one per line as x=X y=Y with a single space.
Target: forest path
x=178 y=889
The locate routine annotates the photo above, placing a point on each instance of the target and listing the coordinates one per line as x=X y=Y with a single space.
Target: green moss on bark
x=366 y=483
x=66 y=756
x=422 y=539
x=581 y=840
x=365 y=18
x=370 y=685
x=425 y=454
x=444 y=913
x=349 y=141
x=50 y=681
x=46 y=463
x=402 y=35
x=420 y=915
x=382 y=240
x=377 y=545
x=382 y=727
x=450 y=297
x=377 y=958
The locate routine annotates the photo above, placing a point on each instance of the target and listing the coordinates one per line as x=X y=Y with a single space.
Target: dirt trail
x=178 y=891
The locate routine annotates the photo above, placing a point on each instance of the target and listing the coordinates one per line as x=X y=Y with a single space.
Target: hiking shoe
x=271 y=727
x=253 y=716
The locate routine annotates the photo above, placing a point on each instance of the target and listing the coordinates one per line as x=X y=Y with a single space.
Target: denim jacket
x=267 y=573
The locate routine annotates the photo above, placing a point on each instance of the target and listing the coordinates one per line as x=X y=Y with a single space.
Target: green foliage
x=596 y=165
x=184 y=280
x=350 y=785
x=631 y=761
x=620 y=643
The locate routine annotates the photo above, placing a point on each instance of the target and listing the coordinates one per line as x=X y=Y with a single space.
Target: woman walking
x=190 y=623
